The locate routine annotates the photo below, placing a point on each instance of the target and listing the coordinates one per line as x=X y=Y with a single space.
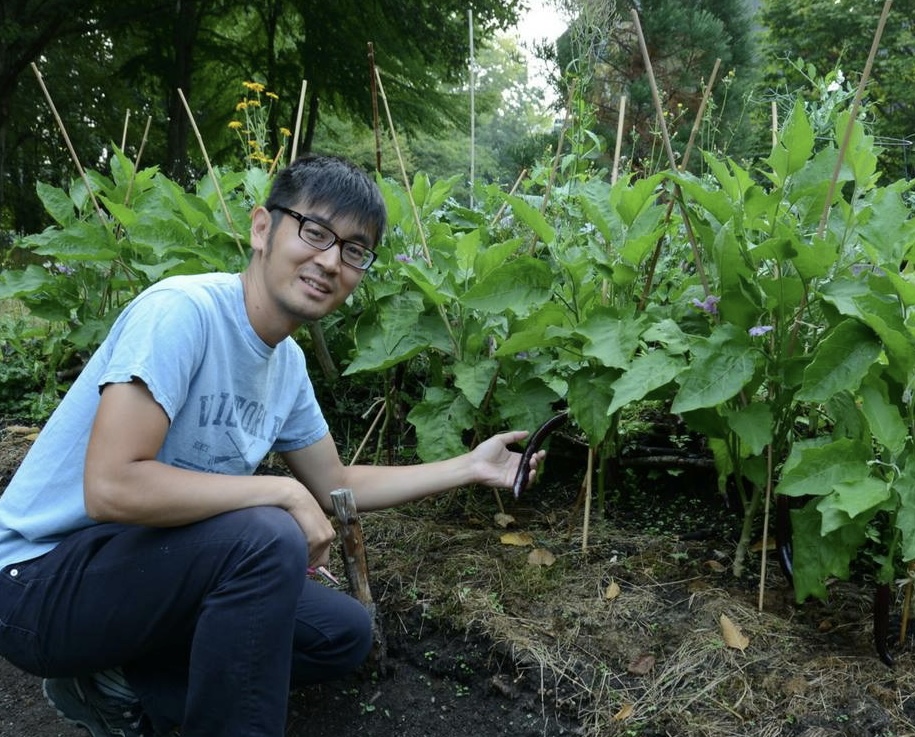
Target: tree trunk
x=184 y=36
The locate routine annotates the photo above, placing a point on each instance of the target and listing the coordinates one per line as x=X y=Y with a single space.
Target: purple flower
x=709 y=304
x=758 y=330
x=403 y=258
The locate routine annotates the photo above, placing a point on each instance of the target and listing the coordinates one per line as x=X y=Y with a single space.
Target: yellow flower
x=285 y=132
x=273 y=95
x=235 y=125
x=254 y=86
x=254 y=103
x=241 y=106
x=254 y=144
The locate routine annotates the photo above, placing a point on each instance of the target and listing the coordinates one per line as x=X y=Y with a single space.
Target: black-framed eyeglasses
x=321 y=237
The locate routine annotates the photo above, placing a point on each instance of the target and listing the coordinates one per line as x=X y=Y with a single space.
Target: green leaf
x=646 y=373
x=590 y=394
x=610 y=339
x=474 y=379
x=519 y=287
x=440 y=421
x=532 y=218
x=904 y=486
x=394 y=335
x=817 y=558
x=883 y=417
x=841 y=361
x=753 y=425
x=19 y=283
x=815 y=470
x=721 y=366
x=794 y=146
x=850 y=500
x=57 y=203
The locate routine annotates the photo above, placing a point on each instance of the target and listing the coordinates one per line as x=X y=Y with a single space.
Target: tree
x=103 y=57
x=600 y=53
x=837 y=34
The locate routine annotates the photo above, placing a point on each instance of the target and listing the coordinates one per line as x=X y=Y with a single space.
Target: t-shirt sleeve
x=159 y=339
x=306 y=424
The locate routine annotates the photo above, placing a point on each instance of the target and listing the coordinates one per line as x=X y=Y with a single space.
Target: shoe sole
x=68 y=720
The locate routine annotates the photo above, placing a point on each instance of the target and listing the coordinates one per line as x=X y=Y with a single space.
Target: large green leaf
x=590 y=393
x=440 y=421
x=57 y=203
x=720 y=367
x=518 y=287
x=753 y=424
x=883 y=417
x=816 y=558
x=841 y=361
x=814 y=470
x=851 y=500
x=610 y=339
x=532 y=218
x=646 y=373
x=474 y=379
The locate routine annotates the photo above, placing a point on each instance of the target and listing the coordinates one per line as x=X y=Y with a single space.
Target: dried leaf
x=624 y=713
x=522 y=539
x=733 y=637
x=21 y=429
x=503 y=520
x=642 y=665
x=612 y=591
x=541 y=557
x=714 y=565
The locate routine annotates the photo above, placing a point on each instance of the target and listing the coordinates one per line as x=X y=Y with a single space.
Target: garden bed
x=623 y=636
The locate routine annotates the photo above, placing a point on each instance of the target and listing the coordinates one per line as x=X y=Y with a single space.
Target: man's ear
x=261 y=222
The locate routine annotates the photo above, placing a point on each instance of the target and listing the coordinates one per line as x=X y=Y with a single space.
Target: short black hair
x=334 y=183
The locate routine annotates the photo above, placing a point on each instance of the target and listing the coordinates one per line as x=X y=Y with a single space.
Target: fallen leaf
x=624 y=713
x=641 y=665
x=714 y=565
x=503 y=520
x=517 y=538
x=541 y=557
x=21 y=429
x=612 y=591
x=733 y=637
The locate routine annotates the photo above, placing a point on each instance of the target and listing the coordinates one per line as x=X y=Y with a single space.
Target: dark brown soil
x=434 y=683
x=621 y=634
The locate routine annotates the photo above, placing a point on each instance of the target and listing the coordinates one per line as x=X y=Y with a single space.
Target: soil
x=507 y=617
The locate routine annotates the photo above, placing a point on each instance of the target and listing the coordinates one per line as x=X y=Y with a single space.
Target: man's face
x=296 y=281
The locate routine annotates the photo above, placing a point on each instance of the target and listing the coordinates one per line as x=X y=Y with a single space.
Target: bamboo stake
x=504 y=206
x=843 y=148
x=706 y=94
x=124 y=132
x=620 y=127
x=206 y=158
x=853 y=114
x=427 y=256
x=774 y=123
x=293 y=152
x=403 y=171
x=136 y=163
x=765 y=534
x=73 y=156
x=369 y=432
x=670 y=152
x=585 y=530
x=376 y=127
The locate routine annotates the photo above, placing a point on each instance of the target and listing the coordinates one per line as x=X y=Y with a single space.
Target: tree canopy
x=100 y=59
x=836 y=35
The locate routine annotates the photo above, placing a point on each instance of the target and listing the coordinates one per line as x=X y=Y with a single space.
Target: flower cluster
x=253 y=133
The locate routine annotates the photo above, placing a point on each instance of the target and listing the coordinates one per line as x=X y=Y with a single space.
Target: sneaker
x=79 y=702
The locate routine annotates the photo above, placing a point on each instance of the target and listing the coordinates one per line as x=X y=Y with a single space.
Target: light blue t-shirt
x=229 y=396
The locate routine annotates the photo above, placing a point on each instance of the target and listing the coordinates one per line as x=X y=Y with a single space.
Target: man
x=145 y=572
